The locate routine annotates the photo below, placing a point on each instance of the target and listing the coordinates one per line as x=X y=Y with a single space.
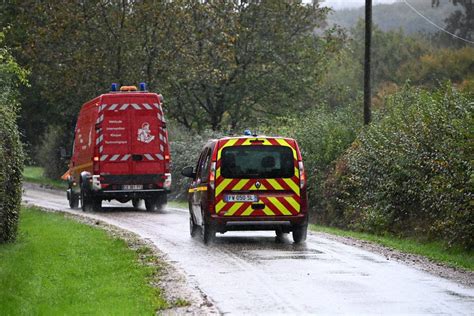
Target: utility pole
x=368 y=39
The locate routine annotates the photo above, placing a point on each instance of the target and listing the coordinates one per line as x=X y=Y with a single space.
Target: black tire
x=150 y=204
x=280 y=234
x=161 y=201
x=96 y=204
x=300 y=233
x=86 y=204
x=73 y=200
x=208 y=231
x=136 y=202
x=193 y=228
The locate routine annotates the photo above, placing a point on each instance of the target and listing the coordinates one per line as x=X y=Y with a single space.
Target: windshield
x=250 y=162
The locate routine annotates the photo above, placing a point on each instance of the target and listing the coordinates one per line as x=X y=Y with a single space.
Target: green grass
x=60 y=266
x=35 y=175
x=455 y=257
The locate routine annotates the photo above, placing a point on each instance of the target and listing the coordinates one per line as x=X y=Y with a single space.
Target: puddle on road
x=264 y=255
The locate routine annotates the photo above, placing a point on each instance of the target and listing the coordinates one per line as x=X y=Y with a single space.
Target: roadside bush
x=411 y=171
x=48 y=152
x=323 y=134
x=11 y=153
x=185 y=148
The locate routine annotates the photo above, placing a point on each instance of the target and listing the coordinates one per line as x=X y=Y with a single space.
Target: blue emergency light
x=114 y=87
x=247 y=132
x=142 y=86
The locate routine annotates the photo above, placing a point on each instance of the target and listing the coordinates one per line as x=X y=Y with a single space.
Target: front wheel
x=90 y=203
x=300 y=233
x=73 y=200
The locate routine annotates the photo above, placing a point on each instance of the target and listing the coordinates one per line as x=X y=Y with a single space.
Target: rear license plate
x=240 y=198
x=132 y=187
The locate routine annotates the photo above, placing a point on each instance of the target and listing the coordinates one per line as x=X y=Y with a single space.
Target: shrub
x=11 y=153
x=323 y=134
x=411 y=171
x=185 y=148
x=48 y=152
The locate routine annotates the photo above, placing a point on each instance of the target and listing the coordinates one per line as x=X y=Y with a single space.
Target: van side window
x=204 y=165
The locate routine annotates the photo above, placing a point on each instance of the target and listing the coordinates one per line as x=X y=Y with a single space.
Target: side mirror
x=63 y=153
x=188 y=172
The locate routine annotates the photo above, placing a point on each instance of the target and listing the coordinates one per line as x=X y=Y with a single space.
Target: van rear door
x=132 y=138
x=257 y=177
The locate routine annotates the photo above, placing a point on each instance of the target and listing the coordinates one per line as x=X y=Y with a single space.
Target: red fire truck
x=120 y=151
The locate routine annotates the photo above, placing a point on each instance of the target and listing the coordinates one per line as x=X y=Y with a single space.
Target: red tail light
x=302 y=174
x=212 y=175
x=96 y=158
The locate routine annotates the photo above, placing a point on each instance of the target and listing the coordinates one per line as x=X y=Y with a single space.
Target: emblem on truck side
x=144 y=133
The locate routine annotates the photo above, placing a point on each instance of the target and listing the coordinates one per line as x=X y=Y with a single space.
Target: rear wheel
x=90 y=203
x=208 y=230
x=300 y=233
x=150 y=204
x=193 y=228
x=136 y=202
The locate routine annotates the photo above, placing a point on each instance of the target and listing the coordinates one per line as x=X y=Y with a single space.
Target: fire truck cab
x=120 y=151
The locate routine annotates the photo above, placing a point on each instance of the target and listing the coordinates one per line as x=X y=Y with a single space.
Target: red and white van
x=248 y=183
x=120 y=151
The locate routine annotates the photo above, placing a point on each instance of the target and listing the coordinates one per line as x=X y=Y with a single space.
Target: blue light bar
x=247 y=132
x=142 y=86
x=114 y=87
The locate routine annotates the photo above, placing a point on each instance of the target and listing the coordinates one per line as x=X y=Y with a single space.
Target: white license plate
x=240 y=198
x=132 y=186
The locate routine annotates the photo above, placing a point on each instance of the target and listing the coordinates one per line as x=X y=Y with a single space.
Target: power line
x=434 y=24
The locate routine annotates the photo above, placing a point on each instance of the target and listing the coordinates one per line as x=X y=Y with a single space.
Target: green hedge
x=11 y=165
x=11 y=150
x=411 y=171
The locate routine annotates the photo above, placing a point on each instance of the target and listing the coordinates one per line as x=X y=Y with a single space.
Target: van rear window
x=251 y=162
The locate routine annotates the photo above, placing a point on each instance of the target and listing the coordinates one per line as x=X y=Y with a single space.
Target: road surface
x=251 y=273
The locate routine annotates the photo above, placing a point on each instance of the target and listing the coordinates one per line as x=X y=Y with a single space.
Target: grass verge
x=60 y=266
x=436 y=251
x=178 y=204
x=35 y=175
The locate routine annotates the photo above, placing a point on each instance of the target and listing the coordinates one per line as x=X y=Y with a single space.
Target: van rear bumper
x=284 y=223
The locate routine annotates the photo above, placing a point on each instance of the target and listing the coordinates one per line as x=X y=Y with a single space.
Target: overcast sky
x=342 y=4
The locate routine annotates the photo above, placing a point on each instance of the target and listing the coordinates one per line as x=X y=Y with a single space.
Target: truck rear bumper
x=128 y=194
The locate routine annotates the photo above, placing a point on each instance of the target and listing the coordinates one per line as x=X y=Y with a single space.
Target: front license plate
x=132 y=186
x=240 y=198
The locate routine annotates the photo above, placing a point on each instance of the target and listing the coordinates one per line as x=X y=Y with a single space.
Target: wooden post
x=368 y=39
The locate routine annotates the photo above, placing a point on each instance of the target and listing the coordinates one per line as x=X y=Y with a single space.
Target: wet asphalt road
x=251 y=273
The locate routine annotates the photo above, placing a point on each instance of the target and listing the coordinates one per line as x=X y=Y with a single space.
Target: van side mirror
x=188 y=172
x=63 y=153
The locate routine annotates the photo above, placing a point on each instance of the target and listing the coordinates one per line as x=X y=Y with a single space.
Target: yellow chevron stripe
x=293 y=203
x=220 y=206
x=283 y=142
x=222 y=186
x=268 y=211
x=240 y=184
x=233 y=209
x=293 y=186
x=248 y=211
x=275 y=185
x=279 y=206
x=230 y=142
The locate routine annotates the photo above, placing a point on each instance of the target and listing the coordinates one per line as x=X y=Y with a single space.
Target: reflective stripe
x=124 y=106
x=103 y=157
x=114 y=157
x=148 y=156
x=136 y=106
x=125 y=157
x=113 y=107
x=159 y=156
x=147 y=106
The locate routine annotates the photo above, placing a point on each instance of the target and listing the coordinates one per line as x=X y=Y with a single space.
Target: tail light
x=212 y=175
x=167 y=182
x=302 y=174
